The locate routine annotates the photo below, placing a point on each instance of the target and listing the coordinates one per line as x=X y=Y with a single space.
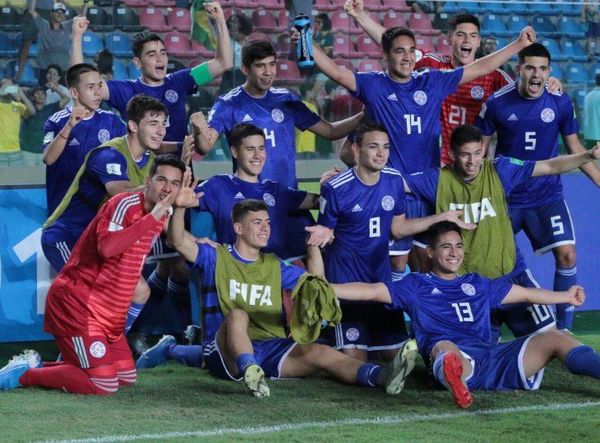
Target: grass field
x=186 y=404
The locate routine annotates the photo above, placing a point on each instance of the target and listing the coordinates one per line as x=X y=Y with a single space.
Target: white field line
x=388 y=420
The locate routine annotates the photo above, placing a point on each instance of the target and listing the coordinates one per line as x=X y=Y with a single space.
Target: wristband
x=62 y=136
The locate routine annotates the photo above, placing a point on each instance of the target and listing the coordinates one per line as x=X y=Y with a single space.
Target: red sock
x=69 y=378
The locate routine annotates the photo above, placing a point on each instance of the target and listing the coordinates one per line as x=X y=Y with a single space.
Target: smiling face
x=374 y=151
x=254 y=229
x=166 y=180
x=465 y=41
x=88 y=92
x=250 y=156
x=533 y=73
x=401 y=58
x=153 y=62
x=447 y=254
x=467 y=159
x=260 y=75
x=151 y=129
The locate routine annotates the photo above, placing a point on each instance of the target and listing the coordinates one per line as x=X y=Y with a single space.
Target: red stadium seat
x=269 y=4
x=153 y=19
x=180 y=19
x=344 y=106
x=283 y=19
x=288 y=73
x=258 y=36
x=396 y=5
x=443 y=46
x=342 y=22
x=265 y=21
x=342 y=46
x=392 y=19
x=420 y=24
x=366 y=47
x=325 y=6
x=424 y=44
x=163 y=3
x=369 y=65
x=345 y=64
x=178 y=44
x=135 y=3
x=283 y=46
x=200 y=50
x=375 y=5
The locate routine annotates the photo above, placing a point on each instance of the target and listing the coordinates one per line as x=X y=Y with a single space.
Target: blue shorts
x=370 y=327
x=57 y=252
x=269 y=354
x=522 y=318
x=500 y=367
x=161 y=250
x=546 y=226
x=415 y=208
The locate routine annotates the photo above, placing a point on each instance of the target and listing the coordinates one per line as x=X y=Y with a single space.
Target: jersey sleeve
x=209 y=199
x=424 y=184
x=497 y=290
x=291 y=197
x=304 y=118
x=51 y=128
x=290 y=275
x=206 y=258
x=568 y=123
x=328 y=207
x=486 y=120
x=184 y=81
x=500 y=79
x=120 y=91
x=118 y=128
x=400 y=206
x=513 y=171
x=446 y=80
x=108 y=165
x=220 y=117
x=402 y=293
x=363 y=79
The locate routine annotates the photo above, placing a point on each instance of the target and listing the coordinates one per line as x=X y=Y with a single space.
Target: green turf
x=177 y=399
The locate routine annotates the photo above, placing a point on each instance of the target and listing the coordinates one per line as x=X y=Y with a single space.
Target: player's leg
x=451 y=369
x=57 y=252
x=565 y=276
x=386 y=331
x=179 y=291
x=123 y=362
x=141 y=294
x=350 y=336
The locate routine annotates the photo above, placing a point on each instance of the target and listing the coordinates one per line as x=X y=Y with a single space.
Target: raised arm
x=487 y=64
x=32 y=10
x=223 y=60
x=574 y=296
x=27 y=103
x=205 y=137
x=362 y=292
x=337 y=130
x=356 y=9
x=590 y=169
x=314 y=261
x=565 y=163
x=176 y=234
x=404 y=227
x=56 y=147
x=338 y=74
x=311 y=201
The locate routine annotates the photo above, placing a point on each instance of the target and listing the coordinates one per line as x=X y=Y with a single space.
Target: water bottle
x=304 y=46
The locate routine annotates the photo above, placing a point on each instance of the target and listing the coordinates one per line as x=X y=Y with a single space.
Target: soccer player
x=364 y=206
x=246 y=337
x=528 y=119
x=275 y=110
x=71 y=133
x=150 y=56
x=480 y=188
x=450 y=314
x=87 y=302
x=221 y=192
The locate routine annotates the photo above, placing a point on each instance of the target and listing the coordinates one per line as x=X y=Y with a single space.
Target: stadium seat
x=553 y=48
x=3 y=72
x=557 y=71
x=179 y=45
x=443 y=46
x=269 y=4
x=127 y=20
x=515 y=24
x=92 y=44
x=570 y=27
x=493 y=25
x=342 y=22
x=369 y=65
x=573 y=51
x=519 y=8
x=8 y=48
x=99 y=19
x=375 y=5
x=594 y=71
x=397 y=5
x=452 y=7
x=180 y=19
x=135 y=3
x=497 y=8
x=543 y=7
x=133 y=71
x=200 y=50
x=424 y=44
x=420 y=24
x=393 y=18
x=118 y=43
x=29 y=76
x=344 y=106
x=163 y=3
x=578 y=97
x=120 y=72
x=576 y=73
x=10 y=19
x=154 y=20
x=283 y=46
x=325 y=6
x=571 y=9
x=544 y=27
x=258 y=36
x=472 y=8
x=345 y=64
x=441 y=21
x=366 y=47
x=342 y=46
x=175 y=65
x=283 y=19
x=288 y=72
x=265 y=21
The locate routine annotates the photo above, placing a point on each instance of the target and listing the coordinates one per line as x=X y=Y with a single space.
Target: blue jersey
x=528 y=129
x=277 y=113
x=361 y=217
x=173 y=93
x=103 y=166
x=410 y=112
x=206 y=262
x=511 y=172
x=222 y=192
x=457 y=310
x=85 y=136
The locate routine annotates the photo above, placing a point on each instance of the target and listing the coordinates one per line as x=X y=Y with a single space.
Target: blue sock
x=245 y=360
x=564 y=278
x=368 y=374
x=156 y=283
x=188 y=355
x=438 y=372
x=132 y=313
x=179 y=293
x=583 y=360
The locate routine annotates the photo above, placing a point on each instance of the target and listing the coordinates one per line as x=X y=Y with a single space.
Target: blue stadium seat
x=133 y=70
x=519 y=8
x=578 y=96
x=515 y=24
x=29 y=76
x=542 y=7
x=118 y=43
x=472 y=7
x=576 y=73
x=120 y=72
x=570 y=27
x=544 y=27
x=557 y=71
x=452 y=7
x=594 y=71
x=567 y=8
x=493 y=25
x=7 y=47
x=573 y=51
x=553 y=48
x=496 y=8
x=92 y=44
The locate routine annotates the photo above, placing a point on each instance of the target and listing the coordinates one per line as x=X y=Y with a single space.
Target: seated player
x=87 y=303
x=245 y=338
x=450 y=315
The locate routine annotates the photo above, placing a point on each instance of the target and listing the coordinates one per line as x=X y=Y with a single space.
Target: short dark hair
x=436 y=230
x=245 y=25
x=365 y=127
x=257 y=50
x=391 y=34
x=534 y=50
x=35 y=89
x=326 y=26
x=464 y=134
x=241 y=208
x=242 y=131
x=76 y=71
x=105 y=62
x=141 y=104
x=464 y=18
x=141 y=39
x=167 y=160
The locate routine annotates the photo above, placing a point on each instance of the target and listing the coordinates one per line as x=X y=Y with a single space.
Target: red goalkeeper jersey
x=464 y=105
x=92 y=293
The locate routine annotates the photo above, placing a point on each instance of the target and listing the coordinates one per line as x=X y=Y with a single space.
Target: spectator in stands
x=421 y=7
x=55 y=92
x=591 y=115
x=53 y=36
x=14 y=106
x=590 y=14
x=488 y=46
x=240 y=27
x=323 y=35
x=104 y=61
x=30 y=32
x=32 y=128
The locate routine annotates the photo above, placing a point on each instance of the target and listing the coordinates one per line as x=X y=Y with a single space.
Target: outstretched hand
x=577 y=295
x=80 y=25
x=526 y=37
x=214 y=10
x=354 y=7
x=188 y=197
x=200 y=126
x=595 y=151
x=454 y=217
x=329 y=174
x=319 y=235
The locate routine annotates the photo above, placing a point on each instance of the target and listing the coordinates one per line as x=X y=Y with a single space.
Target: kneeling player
x=451 y=320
